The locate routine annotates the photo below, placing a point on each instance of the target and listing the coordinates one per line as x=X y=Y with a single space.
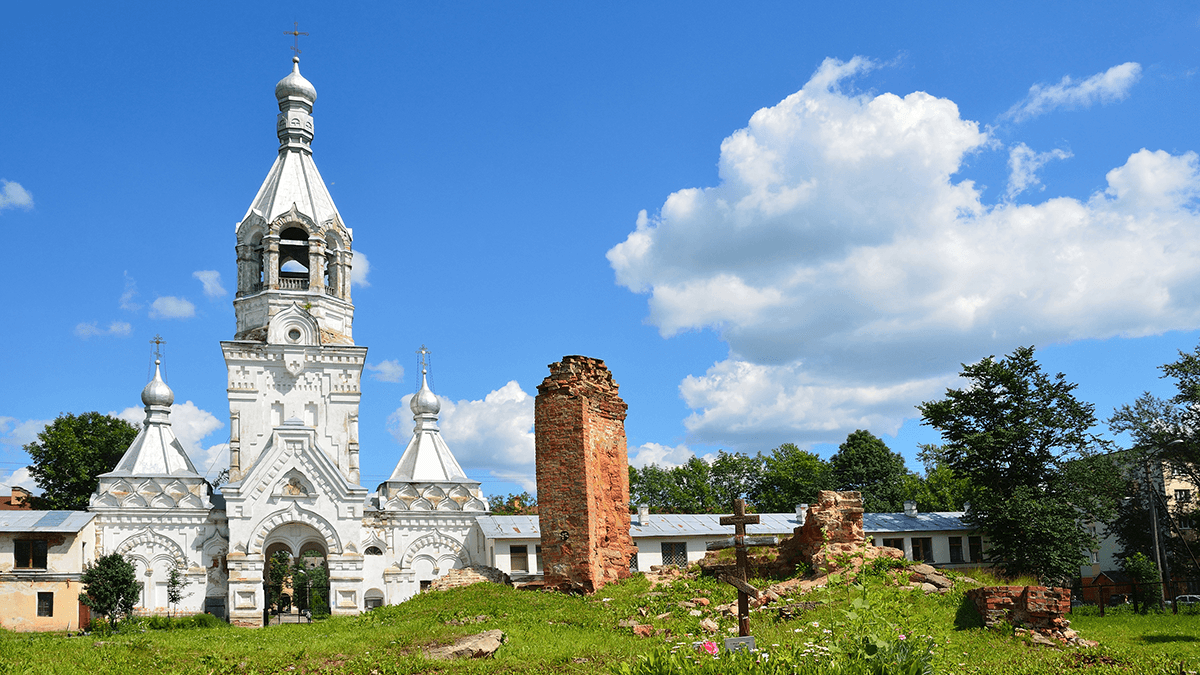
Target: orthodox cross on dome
x=423 y=356
x=295 y=33
x=158 y=342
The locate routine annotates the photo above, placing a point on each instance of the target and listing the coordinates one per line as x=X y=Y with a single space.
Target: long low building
x=513 y=543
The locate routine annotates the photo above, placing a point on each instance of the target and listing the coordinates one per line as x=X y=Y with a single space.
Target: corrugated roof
x=44 y=521
x=704 y=525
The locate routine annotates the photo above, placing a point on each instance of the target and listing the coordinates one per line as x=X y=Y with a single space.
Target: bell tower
x=294 y=375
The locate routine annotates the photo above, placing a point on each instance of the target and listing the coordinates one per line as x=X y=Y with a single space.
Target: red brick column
x=582 y=476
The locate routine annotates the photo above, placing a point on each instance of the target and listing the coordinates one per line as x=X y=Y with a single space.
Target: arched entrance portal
x=295 y=573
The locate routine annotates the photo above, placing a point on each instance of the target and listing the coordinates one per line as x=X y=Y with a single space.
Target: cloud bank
x=191 y=425
x=388 y=370
x=850 y=270
x=494 y=434
x=92 y=329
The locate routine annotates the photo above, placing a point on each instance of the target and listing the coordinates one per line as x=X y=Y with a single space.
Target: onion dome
x=424 y=402
x=157 y=392
x=295 y=85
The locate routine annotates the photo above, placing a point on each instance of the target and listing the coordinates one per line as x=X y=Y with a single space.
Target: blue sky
x=776 y=222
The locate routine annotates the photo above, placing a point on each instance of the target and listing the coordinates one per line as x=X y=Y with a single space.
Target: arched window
x=293 y=259
x=373 y=550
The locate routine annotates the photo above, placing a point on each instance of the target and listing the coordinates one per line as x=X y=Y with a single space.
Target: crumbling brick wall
x=1028 y=606
x=832 y=526
x=582 y=476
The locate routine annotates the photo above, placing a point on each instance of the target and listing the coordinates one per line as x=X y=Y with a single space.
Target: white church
x=293 y=387
x=294 y=374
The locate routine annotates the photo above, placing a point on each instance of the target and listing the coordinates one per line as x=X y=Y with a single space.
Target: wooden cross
x=296 y=34
x=740 y=520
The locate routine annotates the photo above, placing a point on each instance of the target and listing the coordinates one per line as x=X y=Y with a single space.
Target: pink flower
x=902 y=636
x=710 y=647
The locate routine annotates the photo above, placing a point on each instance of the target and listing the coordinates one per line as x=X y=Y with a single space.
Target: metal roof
x=709 y=525
x=935 y=521
x=44 y=521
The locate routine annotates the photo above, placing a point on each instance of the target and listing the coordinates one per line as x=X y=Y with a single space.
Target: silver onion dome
x=424 y=402
x=157 y=392
x=295 y=85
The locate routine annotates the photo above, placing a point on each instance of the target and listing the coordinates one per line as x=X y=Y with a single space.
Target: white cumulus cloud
x=171 y=307
x=388 y=370
x=12 y=195
x=92 y=329
x=493 y=434
x=19 y=478
x=17 y=433
x=1111 y=85
x=211 y=279
x=851 y=270
x=128 y=294
x=359 y=268
x=1023 y=165
x=664 y=456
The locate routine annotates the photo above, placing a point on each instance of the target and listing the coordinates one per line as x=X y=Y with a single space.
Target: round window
x=294 y=334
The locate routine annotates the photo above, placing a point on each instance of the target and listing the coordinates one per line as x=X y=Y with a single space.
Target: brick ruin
x=833 y=526
x=582 y=476
x=1027 y=606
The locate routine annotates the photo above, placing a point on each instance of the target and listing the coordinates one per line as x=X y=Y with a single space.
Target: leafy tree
x=790 y=476
x=864 y=463
x=279 y=574
x=1024 y=444
x=651 y=485
x=174 y=587
x=110 y=587
x=733 y=476
x=940 y=489
x=71 y=452
x=1145 y=573
x=523 y=504
x=310 y=583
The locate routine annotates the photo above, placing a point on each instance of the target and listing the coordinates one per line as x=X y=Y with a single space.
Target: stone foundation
x=467 y=576
x=582 y=476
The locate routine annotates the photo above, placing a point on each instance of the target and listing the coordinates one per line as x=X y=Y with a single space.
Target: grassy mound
x=552 y=633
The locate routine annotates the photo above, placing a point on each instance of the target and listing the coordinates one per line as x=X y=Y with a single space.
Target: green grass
x=554 y=633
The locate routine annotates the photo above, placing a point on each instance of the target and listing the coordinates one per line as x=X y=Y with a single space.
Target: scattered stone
x=684 y=604
x=703 y=602
x=929 y=588
x=695 y=612
x=627 y=623
x=1039 y=639
x=643 y=630
x=709 y=626
x=664 y=615
x=466 y=576
x=479 y=646
x=642 y=611
x=469 y=620
x=967 y=580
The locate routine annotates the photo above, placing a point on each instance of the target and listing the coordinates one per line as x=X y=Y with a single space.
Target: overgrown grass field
x=553 y=633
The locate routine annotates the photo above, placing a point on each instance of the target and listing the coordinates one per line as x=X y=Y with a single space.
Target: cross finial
x=424 y=356
x=158 y=342
x=295 y=33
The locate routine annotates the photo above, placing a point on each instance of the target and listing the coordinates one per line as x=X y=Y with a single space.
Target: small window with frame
x=29 y=554
x=45 y=606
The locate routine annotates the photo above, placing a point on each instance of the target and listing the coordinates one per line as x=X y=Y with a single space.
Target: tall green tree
x=523 y=504
x=71 y=452
x=866 y=464
x=790 y=476
x=1018 y=435
x=940 y=489
x=110 y=587
x=734 y=475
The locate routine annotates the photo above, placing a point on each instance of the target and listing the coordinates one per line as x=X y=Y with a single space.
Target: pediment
x=294 y=326
x=293 y=466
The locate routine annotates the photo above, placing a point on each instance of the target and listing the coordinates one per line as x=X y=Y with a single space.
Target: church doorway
x=295 y=575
